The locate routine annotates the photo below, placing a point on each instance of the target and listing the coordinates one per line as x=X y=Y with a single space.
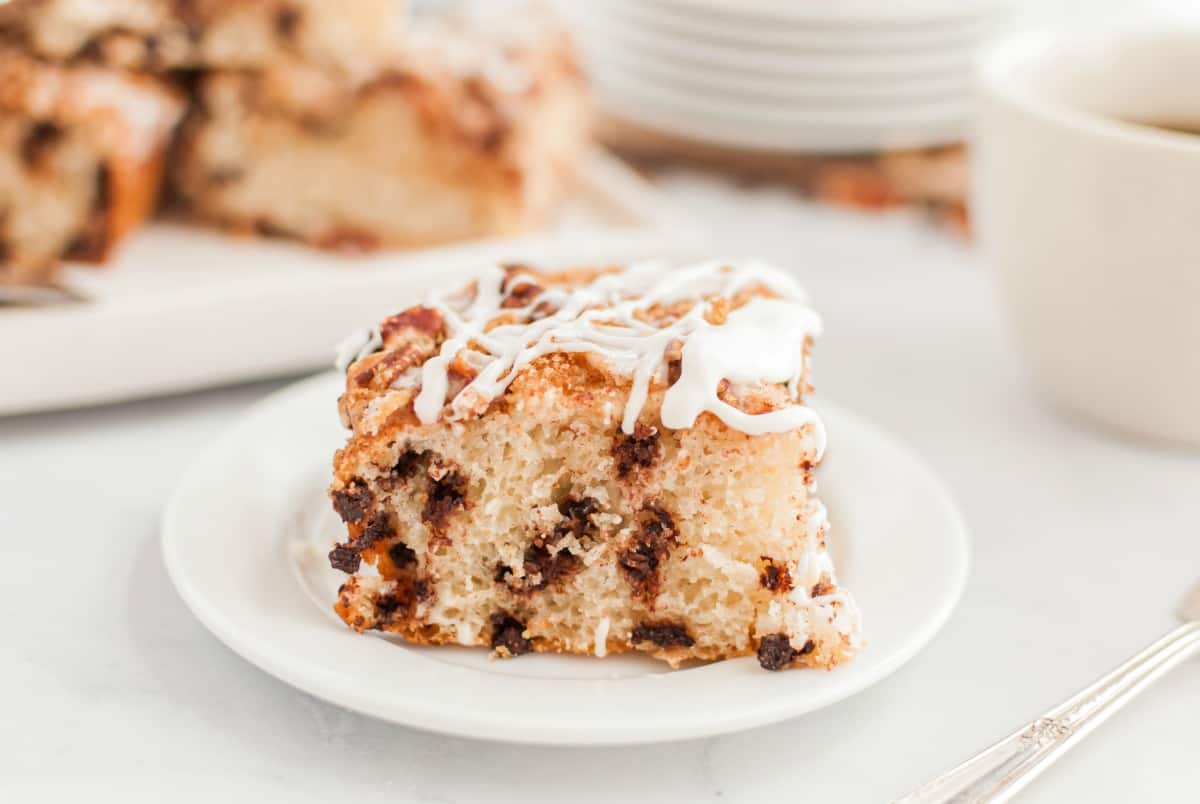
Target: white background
x=1083 y=544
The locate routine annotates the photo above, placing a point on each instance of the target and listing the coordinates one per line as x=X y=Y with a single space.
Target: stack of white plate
x=788 y=75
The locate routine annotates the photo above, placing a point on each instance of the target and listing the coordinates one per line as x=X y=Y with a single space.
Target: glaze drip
x=356 y=346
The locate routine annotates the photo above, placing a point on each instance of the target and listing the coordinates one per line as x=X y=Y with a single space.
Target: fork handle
x=999 y=772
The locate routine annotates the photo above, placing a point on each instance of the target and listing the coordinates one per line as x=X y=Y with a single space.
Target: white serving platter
x=182 y=308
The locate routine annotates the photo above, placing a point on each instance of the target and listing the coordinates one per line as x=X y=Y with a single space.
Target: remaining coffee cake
x=592 y=462
x=931 y=181
x=470 y=132
x=81 y=160
x=353 y=38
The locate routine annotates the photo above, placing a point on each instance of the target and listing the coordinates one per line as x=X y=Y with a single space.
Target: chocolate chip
x=637 y=451
x=641 y=559
x=579 y=510
x=92 y=51
x=545 y=562
x=775 y=652
x=640 y=565
x=402 y=555
x=408 y=464
x=287 y=20
x=775 y=577
x=657 y=520
x=809 y=647
x=549 y=566
x=577 y=515
x=380 y=527
x=665 y=635
x=38 y=142
x=345 y=558
x=352 y=502
x=386 y=605
x=508 y=636
x=446 y=495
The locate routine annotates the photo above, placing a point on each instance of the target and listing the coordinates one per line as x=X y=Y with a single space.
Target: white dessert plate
x=798 y=64
x=801 y=34
x=181 y=308
x=777 y=76
x=866 y=13
x=795 y=93
x=754 y=111
x=246 y=532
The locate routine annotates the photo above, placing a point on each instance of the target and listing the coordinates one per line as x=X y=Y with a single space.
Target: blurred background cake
x=471 y=129
x=81 y=158
x=346 y=127
x=156 y=35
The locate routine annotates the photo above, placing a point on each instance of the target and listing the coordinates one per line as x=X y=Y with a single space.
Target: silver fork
x=1000 y=772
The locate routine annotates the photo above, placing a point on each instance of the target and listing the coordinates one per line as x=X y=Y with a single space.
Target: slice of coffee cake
x=157 y=35
x=81 y=161
x=592 y=462
x=469 y=132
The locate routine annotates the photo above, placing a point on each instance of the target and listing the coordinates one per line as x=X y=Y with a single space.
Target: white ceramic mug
x=1091 y=219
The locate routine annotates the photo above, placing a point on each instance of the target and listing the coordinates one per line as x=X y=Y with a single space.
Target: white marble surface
x=1082 y=546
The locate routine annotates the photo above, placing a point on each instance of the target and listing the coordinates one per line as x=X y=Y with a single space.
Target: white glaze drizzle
x=356 y=346
x=600 y=637
x=760 y=342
